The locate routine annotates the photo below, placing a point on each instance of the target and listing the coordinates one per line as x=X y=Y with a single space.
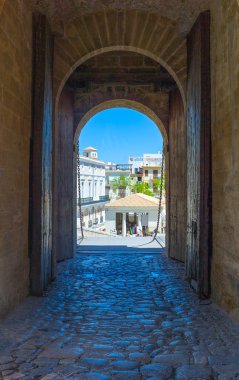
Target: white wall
x=110 y=221
x=136 y=162
x=92 y=178
x=152 y=159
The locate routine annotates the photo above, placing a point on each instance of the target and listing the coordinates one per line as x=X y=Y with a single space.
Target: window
x=146 y=173
x=82 y=189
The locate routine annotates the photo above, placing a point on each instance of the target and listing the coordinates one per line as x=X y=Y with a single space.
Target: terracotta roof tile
x=135 y=200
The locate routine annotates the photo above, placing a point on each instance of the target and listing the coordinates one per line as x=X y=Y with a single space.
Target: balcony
x=86 y=200
x=104 y=198
x=91 y=200
x=124 y=167
x=120 y=167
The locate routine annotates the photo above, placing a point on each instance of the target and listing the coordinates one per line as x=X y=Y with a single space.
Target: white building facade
x=136 y=162
x=92 y=185
x=151 y=167
x=146 y=167
x=137 y=210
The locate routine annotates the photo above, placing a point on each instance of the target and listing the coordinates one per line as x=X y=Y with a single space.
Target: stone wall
x=15 y=125
x=225 y=151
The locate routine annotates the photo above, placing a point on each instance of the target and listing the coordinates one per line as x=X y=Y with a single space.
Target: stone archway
x=157 y=99
x=148 y=34
x=171 y=53
x=90 y=34
x=134 y=105
x=156 y=58
x=121 y=103
x=138 y=32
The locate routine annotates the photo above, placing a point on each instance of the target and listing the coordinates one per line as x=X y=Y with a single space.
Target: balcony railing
x=86 y=200
x=104 y=198
x=121 y=167
x=91 y=200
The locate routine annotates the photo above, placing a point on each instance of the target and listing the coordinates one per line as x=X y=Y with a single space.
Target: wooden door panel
x=177 y=179
x=41 y=158
x=199 y=157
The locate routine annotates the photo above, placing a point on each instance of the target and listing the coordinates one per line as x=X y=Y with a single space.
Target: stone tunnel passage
x=122 y=313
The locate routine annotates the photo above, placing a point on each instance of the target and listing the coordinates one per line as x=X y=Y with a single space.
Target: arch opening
x=119 y=48
x=119 y=78
x=121 y=103
x=128 y=168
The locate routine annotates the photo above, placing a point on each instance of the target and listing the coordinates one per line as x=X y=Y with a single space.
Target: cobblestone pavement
x=119 y=315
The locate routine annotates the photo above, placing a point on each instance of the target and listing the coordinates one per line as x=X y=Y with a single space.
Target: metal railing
x=104 y=197
x=91 y=200
x=86 y=200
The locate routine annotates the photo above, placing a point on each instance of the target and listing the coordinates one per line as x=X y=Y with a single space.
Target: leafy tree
x=121 y=181
x=157 y=183
x=142 y=187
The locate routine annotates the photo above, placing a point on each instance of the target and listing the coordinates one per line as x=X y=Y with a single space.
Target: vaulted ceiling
x=125 y=68
x=182 y=12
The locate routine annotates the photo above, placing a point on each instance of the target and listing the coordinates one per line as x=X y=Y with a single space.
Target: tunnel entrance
x=120 y=176
x=118 y=75
x=132 y=80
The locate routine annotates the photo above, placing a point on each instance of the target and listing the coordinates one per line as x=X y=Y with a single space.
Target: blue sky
x=120 y=132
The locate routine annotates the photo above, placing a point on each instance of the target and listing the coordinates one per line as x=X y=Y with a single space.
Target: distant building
x=113 y=172
x=151 y=167
x=92 y=184
x=147 y=167
x=135 y=210
x=137 y=167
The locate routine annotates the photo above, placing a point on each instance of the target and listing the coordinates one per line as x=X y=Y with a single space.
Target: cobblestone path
x=119 y=315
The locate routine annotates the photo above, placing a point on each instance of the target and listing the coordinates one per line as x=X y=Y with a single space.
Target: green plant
x=142 y=187
x=121 y=181
x=157 y=183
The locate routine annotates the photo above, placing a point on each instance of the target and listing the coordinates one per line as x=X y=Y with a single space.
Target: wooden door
x=40 y=208
x=199 y=157
x=177 y=178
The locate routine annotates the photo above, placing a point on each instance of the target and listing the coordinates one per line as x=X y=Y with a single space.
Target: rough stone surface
x=128 y=25
x=15 y=127
x=225 y=141
x=117 y=29
x=109 y=317
x=184 y=13
x=195 y=371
